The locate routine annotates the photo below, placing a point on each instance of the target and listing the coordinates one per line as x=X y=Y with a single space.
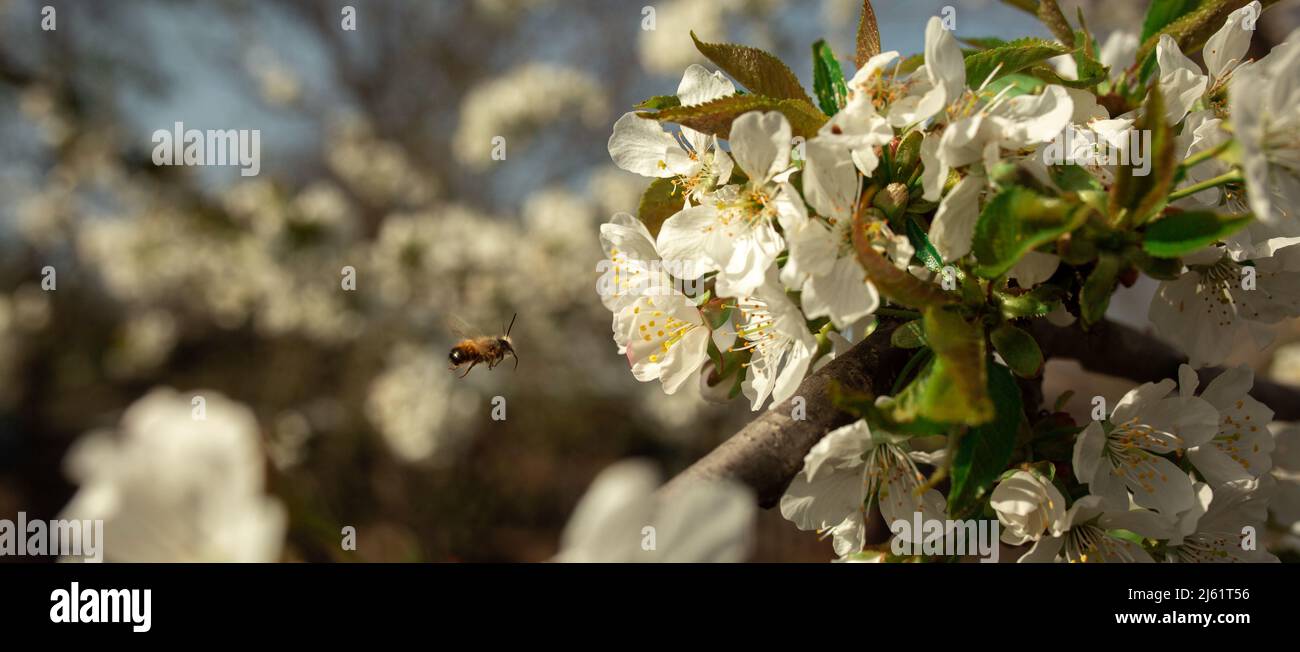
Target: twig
x=1117 y=350
x=767 y=453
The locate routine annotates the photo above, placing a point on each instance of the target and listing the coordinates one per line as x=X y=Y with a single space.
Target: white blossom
x=733 y=230
x=1124 y=457
x=1028 y=505
x=621 y=519
x=846 y=472
x=171 y=486
x=1265 y=100
x=1241 y=449
x=1217 y=302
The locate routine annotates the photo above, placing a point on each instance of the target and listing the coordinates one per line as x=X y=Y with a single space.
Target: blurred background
x=376 y=153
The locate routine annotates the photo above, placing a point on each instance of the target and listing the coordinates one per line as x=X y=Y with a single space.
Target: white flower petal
x=843 y=293
x=944 y=62
x=699 y=86
x=711 y=523
x=1138 y=398
x=686 y=239
x=1181 y=81
x=830 y=180
x=1034 y=268
x=641 y=145
x=954 y=222
x=1225 y=49
x=825 y=502
x=760 y=144
x=1088 y=448
x=609 y=517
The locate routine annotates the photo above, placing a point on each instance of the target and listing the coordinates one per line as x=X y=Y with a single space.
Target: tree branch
x=1117 y=350
x=767 y=453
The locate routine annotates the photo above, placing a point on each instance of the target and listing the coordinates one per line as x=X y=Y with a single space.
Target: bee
x=489 y=349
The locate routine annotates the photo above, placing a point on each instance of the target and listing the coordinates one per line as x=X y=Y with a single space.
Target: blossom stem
x=824 y=344
x=1222 y=179
x=1206 y=154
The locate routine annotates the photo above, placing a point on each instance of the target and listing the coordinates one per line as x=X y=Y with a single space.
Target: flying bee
x=486 y=348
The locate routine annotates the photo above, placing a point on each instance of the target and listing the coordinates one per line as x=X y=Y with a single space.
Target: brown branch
x=1117 y=350
x=766 y=454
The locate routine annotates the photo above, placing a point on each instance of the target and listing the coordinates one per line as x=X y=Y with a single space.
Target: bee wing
x=459 y=328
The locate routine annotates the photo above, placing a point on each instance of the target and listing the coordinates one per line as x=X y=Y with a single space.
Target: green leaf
x=897 y=414
x=1073 y=178
x=828 y=79
x=759 y=71
x=906 y=158
x=1020 y=83
x=1010 y=58
x=1162 y=12
x=715 y=118
x=901 y=413
x=984 y=451
x=868 y=35
x=1017 y=221
x=1038 y=302
x=925 y=251
x=1090 y=71
x=1182 y=233
x=1094 y=297
x=1162 y=269
x=984 y=42
x=659 y=202
x=660 y=102
x=911 y=63
x=957 y=391
x=1018 y=348
x=1134 y=199
x=1048 y=74
x=908 y=336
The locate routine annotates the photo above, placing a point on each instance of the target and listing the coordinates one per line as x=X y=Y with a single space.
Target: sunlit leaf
x=660 y=201
x=1015 y=222
x=984 y=451
x=868 y=34
x=759 y=71
x=715 y=118
x=1182 y=233
x=958 y=391
x=828 y=79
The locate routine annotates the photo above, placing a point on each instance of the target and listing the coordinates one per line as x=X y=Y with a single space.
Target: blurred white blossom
x=524 y=99
x=622 y=519
x=173 y=487
x=418 y=408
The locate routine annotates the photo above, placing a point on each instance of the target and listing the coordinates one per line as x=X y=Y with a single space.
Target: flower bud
x=713 y=388
x=892 y=201
x=907 y=156
x=1028 y=505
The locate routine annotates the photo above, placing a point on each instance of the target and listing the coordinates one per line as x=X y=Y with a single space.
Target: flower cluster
x=936 y=200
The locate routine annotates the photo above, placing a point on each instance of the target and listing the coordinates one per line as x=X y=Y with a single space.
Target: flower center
x=666 y=329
